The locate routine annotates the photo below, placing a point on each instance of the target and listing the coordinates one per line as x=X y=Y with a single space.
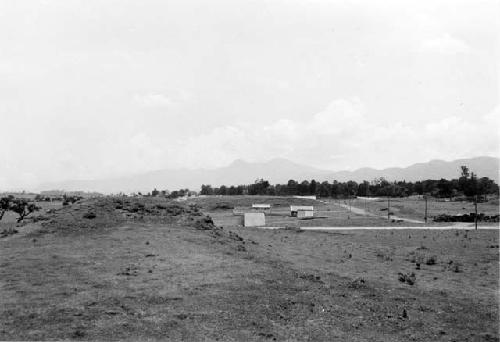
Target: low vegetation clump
x=204 y=223
x=408 y=278
x=385 y=255
x=90 y=215
x=454 y=266
x=223 y=206
x=431 y=260
x=466 y=218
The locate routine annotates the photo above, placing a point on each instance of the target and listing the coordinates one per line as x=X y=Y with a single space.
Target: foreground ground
x=115 y=269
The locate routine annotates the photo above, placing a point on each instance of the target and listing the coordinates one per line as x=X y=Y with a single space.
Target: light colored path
x=457 y=227
x=360 y=211
x=460 y=227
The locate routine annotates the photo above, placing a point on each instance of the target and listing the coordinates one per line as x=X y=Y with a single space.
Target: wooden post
x=425 y=217
x=475 y=207
x=389 y=208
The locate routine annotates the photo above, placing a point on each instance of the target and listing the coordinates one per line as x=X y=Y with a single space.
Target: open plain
x=152 y=269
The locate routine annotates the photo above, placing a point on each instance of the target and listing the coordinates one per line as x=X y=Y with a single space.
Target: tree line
x=467 y=185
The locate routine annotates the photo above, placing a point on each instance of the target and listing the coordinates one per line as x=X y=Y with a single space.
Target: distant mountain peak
x=238 y=162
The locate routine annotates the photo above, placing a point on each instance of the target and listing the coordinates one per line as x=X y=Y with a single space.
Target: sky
x=102 y=88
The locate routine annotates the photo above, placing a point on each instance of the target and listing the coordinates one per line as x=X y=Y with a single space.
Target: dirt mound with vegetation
x=108 y=212
x=98 y=213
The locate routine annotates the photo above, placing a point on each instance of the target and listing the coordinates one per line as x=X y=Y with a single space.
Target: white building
x=305 y=213
x=263 y=208
x=294 y=210
x=306 y=197
x=254 y=220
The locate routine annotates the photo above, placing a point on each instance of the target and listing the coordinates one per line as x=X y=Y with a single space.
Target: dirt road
x=363 y=212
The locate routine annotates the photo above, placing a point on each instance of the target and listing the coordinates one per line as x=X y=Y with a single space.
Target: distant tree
x=419 y=188
x=303 y=188
x=335 y=189
x=259 y=187
x=23 y=208
x=206 y=189
x=324 y=189
x=445 y=188
x=292 y=187
x=313 y=187
x=351 y=188
x=223 y=190
x=155 y=192
x=470 y=188
x=487 y=186
x=5 y=204
x=464 y=171
x=363 y=189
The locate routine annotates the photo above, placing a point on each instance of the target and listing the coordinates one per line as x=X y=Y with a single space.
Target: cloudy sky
x=99 y=88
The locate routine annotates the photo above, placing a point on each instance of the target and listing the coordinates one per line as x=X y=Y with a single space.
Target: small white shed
x=264 y=208
x=254 y=220
x=305 y=213
x=305 y=197
x=294 y=209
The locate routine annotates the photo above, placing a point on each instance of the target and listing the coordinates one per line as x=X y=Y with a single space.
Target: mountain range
x=275 y=171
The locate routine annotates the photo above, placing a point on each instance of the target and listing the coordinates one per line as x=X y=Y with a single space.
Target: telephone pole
x=389 y=208
x=475 y=207
x=425 y=217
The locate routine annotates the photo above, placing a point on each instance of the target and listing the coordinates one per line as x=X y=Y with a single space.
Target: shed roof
x=301 y=207
x=261 y=206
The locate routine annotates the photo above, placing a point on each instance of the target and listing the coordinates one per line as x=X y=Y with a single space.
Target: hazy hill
x=276 y=171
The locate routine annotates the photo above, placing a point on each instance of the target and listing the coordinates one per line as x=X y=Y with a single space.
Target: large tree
x=23 y=208
x=5 y=204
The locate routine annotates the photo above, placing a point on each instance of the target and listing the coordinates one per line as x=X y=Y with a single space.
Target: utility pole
x=475 y=206
x=389 y=208
x=473 y=178
x=366 y=197
x=425 y=217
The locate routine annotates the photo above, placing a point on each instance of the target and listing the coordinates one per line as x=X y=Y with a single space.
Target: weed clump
x=357 y=283
x=204 y=223
x=223 y=206
x=89 y=215
x=431 y=260
x=408 y=278
x=454 y=266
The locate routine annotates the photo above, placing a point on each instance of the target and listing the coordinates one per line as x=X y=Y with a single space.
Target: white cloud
x=153 y=100
x=446 y=44
x=341 y=137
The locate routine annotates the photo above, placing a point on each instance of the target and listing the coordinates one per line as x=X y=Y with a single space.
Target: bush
x=431 y=260
x=222 y=206
x=90 y=215
x=408 y=278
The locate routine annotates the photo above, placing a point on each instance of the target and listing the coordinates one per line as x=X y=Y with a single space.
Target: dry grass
x=414 y=208
x=150 y=275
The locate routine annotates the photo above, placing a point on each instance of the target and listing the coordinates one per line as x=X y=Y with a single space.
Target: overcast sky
x=92 y=89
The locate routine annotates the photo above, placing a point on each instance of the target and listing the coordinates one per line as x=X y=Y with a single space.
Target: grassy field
x=228 y=210
x=149 y=269
x=414 y=208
